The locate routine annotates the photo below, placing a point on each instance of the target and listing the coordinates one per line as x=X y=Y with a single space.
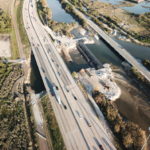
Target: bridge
x=76 y=133
x=89 y=56
x=118 y=48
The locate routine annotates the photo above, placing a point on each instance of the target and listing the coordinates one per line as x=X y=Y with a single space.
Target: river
x=100 y=49
x=137 y=8
x=59 y=14
x=105 y=54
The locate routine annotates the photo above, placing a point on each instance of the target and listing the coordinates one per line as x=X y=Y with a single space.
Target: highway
x=118 y=48
x=80 y=128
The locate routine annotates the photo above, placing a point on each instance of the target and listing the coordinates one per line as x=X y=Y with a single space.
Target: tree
x=127 y=140
x=111 y=113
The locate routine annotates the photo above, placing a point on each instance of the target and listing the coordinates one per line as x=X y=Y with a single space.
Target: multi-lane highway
x=80 y=128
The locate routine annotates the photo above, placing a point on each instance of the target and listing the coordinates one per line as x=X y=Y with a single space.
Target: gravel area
x=5 y=49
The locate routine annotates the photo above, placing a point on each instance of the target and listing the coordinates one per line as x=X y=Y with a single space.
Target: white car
x=80 y=116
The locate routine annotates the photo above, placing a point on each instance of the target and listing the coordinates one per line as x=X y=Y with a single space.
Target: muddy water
x=132 y=105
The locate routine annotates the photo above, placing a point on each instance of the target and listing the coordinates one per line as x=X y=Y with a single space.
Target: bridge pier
x=89 y=56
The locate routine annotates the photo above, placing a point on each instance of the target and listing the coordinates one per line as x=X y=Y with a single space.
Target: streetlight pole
x=146 y=140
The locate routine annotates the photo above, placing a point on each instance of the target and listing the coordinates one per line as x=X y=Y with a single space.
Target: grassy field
x=14 y=132
x=23 y=35
x=14 y=45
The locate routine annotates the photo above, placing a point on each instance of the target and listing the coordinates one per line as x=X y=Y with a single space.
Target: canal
x=106 y=55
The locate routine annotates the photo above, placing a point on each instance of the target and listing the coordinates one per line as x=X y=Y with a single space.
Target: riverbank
x=109 y=17
x=126 y=91
x=133 y=104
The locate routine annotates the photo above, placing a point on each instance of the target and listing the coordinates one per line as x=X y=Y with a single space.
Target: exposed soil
x=5 y=50
x=5 y=4
x=132 y=103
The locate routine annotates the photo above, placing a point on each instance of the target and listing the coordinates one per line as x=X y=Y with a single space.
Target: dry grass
x=5 y=4
x=119 y=15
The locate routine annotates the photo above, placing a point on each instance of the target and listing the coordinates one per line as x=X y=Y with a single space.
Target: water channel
x=104 y=53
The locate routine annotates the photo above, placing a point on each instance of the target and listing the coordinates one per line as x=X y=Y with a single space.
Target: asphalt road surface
x=80 y=128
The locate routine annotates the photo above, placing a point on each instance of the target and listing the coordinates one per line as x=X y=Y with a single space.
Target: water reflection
x=59 y=14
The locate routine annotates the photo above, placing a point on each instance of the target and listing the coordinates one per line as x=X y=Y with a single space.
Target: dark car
x=100 y=147
x=87 y=122
x=65 y=106
x=74 y=97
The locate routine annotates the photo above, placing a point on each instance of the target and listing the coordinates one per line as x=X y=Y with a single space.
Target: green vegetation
x=45 y=16
x=61 y=27
x=129 y=135
x=14 y=132
x=14 y=45
x=23 y=35
x=69 y=8
x=144 y=20
x=146 y=63
x=140 y=77
x=52 y=125
x=43 y=11
x=12 y=125
x=112 y=17
x=31 y=122
x=8 y=75
x=5 y=22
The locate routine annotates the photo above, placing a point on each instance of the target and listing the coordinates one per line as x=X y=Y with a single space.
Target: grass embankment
x=146 y=63
x=144 y=83
x=14 y=45
x=61 y=27
x=129 y=135
x=23 y=35
x=14 y=132
x=31 y=121
x=43 y=11
x=45 y=15
x=71 y=10
x=55 y=134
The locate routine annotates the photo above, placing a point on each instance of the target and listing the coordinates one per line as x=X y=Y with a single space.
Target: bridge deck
x=118 y=48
